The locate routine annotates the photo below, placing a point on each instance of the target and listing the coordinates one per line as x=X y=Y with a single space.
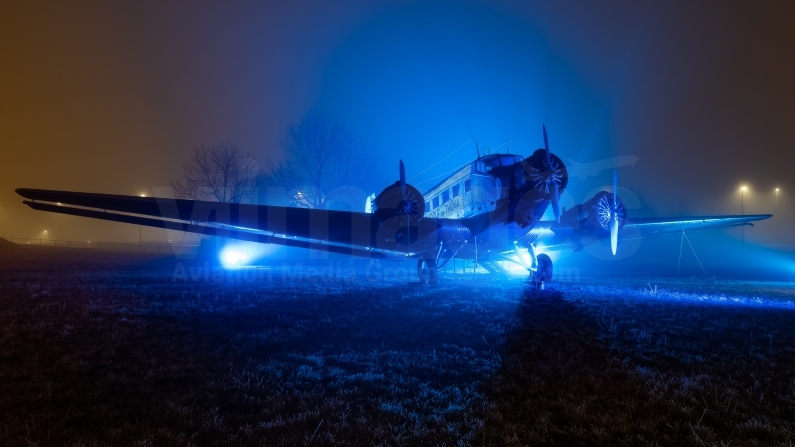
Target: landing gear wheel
x=543 y=273
x=427 y=271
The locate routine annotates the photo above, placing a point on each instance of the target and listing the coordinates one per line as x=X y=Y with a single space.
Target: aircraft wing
x=656 y=226
x=353 y=233
x=650 y=227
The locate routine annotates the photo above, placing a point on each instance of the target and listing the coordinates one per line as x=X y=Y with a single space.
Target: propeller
x=614 y=215
x=408 y=203
x=555 y=192
x=405 y=202
x=400 y=202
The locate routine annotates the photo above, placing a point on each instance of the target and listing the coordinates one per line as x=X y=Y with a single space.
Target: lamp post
x=140 y=239
x=777 y=199
x=742 y=211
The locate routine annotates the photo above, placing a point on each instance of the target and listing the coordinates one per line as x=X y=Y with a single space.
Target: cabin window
x=436 y=202
x=445 y=195
x=507 y=161
x=467 y=185
x=480 y=167
x=456 y=189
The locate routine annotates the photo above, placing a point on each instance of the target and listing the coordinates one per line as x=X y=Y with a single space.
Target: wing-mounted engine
x=398 y=207
x=399 y=204
x=599 y=211
x=604 y=212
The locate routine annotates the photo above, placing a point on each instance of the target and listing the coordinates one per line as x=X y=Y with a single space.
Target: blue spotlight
x=234 y=257
x=236 y=254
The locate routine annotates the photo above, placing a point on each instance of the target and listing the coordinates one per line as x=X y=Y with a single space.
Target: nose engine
x=539 y=180
x=541 y=173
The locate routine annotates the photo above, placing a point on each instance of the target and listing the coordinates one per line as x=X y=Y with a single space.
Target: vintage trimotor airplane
x=487 y=211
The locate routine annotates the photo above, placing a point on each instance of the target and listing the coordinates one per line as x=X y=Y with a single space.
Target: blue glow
x=448 y=83
x=234 y=257
x=237 y=254
x=724 y=299
x=548 y=215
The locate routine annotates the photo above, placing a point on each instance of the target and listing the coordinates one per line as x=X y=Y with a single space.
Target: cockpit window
x=497 y=161
x=508 y=160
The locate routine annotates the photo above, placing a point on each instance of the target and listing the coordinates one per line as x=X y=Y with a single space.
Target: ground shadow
x=634 y=372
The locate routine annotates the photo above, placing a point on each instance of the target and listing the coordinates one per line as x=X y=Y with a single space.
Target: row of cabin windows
x=445 y=196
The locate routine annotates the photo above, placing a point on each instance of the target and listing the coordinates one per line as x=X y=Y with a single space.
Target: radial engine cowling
x=598 y=211
x=396 y=207
x=539 y=172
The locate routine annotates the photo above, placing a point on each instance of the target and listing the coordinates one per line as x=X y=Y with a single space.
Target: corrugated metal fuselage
x=480 y=193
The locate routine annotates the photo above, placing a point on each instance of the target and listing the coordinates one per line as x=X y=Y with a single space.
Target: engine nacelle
x=392 y=206
x=597 y=211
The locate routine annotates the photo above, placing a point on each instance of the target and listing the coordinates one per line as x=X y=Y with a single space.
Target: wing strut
x=681 y=243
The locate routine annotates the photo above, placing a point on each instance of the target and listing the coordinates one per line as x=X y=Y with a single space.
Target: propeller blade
x=555 y=201
x=614 y=216
x=555 y=192
x=546 y=145
x=614 y=235
x=615 y=188
x=402 y=179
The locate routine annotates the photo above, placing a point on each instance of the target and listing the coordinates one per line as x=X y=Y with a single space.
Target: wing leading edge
x=358 y=234
x=652 y=227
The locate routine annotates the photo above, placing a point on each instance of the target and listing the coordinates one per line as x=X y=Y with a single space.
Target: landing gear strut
x=543 y=273
x=427 y=271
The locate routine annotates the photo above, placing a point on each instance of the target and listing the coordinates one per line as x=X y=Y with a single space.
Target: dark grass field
x=107 y=349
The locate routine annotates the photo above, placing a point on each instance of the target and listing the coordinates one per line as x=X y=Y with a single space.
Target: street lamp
x=742 y=199
x=140 y=239
x=742 y=212
x=777 y=189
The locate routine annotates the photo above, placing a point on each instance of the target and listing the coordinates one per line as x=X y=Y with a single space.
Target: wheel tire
x=427 y=271
x=543 y=273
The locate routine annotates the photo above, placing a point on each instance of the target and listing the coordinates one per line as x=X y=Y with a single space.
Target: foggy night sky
x=111 y=96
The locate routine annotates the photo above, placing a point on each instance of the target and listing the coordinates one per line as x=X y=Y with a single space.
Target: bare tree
x=218 y=173
x=325 y=168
